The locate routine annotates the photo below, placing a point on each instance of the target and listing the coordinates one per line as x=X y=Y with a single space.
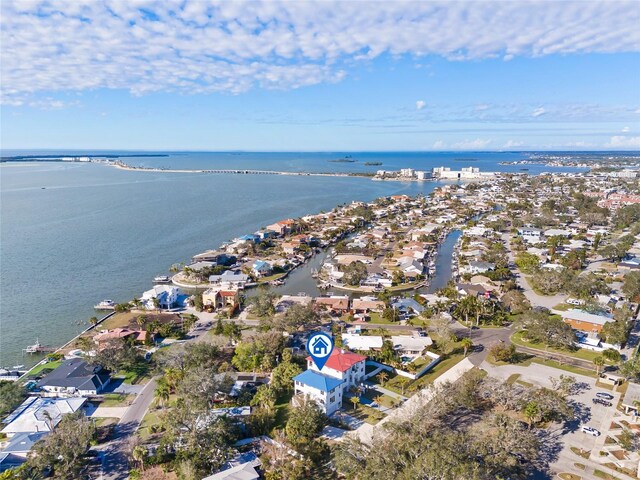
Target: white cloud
x=513 y=144
x=198 y=46
x=620 y=141
x=439 y=145
x=420 y=104
x=625 y=130
x=476 y=144
x=538 y=112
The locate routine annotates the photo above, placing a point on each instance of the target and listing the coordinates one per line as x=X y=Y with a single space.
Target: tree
x=305 y=422
x=298 y=316
x=117 y=354
x=140 y=454
x=93 y=321
x=467 y=307
x=282 y=375
x=163 y=391
x=502 y=352
x=616 y=332
x=356 y=401
x=219 y=329
x=232 y=330
x=527 y=262
x=383 y=377
x=531 y=412
x=631 y=286
x=598 y=362
x=612 y=355
x=354 y=273
x=515 y=301
x=265 y=397
x=64 y=449
x=263 y=303
x=12 y=394
x=547 y=329
x=466 y=344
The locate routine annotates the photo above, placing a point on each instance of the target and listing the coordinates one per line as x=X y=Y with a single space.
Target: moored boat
x=105 y=305
x=161 y=279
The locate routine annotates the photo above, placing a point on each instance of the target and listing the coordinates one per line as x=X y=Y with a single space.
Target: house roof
x=318 y=381
x=31 y=415
x=582 y=316
x=245 y=471
x=361 y=342
x=342 y=360
x=632 y=395
x=75 y=373
x=23 y=442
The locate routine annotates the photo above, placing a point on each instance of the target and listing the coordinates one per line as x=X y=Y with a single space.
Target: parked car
x=574 y=301
x=605 y=395
x=591 y=431
x=600 y=401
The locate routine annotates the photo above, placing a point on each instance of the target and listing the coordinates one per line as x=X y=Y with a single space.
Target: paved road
x=114 y=455
x=536 y=300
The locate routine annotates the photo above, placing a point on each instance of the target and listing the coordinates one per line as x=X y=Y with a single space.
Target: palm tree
x=84 y=344
x=93 y=321
x=467 y=307
x=163 y=391
x=612 y=355
x=383 y=377
x=466 y=343
x=355 y=400
x=139 y=454
x=598 y=362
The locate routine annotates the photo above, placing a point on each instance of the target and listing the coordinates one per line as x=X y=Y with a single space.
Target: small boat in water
x=276 y=283
x=105 y=305
x=161 y=279
x=37 y=348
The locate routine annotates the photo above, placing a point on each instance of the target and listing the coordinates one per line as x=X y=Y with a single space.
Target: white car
x=591 y=431
x=573 y=301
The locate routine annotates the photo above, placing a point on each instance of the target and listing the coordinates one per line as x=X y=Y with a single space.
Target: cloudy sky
x=198 y=75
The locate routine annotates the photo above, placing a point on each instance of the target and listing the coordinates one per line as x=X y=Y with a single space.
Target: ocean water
x=72 y=234
x=316 y=162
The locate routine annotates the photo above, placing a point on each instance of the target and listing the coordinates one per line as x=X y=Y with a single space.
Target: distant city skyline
x=301 y=76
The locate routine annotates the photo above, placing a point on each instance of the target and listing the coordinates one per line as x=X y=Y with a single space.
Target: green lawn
x=567 y=368
x=396 y=383
x=151 y=418
x=362 y=412
x=45 y=366
x=581 y=353
x=270 y=278
x=115 y=400
x=384 y=400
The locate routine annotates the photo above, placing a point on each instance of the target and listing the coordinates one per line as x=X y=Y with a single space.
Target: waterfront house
x=282 y=227
x=366 y=305
x=221 y=298
x=338 y=304
x=75 y=377
x=261 y=268
x=138 y=336
x=166 y=297
x=40 y=414
x=290 y=248
x=474 y=267
x=230 y=279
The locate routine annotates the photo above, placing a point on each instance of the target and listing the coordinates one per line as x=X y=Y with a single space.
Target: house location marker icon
x=320 y=346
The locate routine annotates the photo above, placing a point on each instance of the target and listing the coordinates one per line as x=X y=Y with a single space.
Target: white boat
x=105 y=305
x=161 y=279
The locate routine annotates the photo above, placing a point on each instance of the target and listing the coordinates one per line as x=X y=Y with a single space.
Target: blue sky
x=320 y=76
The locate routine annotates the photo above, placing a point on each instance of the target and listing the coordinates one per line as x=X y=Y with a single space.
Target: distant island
x=372 y=163
x=345 y=159
x=465 y=159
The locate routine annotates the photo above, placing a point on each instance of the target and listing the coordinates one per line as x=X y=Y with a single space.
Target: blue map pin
x=320 y=346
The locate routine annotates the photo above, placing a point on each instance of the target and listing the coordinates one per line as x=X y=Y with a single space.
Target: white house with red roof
x=342 y=371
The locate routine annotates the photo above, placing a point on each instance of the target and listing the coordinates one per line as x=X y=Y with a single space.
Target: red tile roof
x=342 y=360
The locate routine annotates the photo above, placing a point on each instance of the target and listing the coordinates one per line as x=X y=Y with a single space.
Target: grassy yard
x=151 y=419
x=366 y=414
x=581 y=353
x=397 y=383
x=115 y=400
x=383 y=400
x=45 y=366
x=270 y=278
